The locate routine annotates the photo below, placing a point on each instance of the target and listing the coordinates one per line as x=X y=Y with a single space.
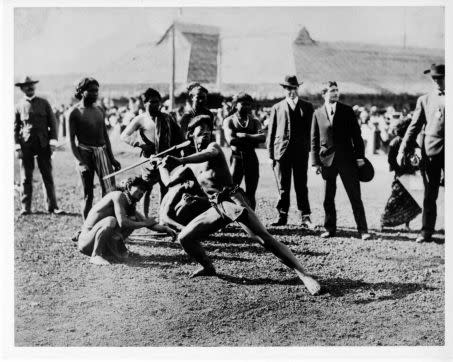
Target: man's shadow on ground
x=339 y=287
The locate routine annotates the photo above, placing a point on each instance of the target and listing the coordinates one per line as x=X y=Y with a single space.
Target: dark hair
x=401 y=127
x=83 y=85
x=195 y=87
x=242 y=97
x=137 y=181
x=327 y=85
x=150 y=93
x=198 y=120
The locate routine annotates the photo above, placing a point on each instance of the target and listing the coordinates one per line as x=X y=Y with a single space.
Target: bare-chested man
x=229 y=205
x=112 y=220
x=158 y=132
x=184 y=199
x=93 y=151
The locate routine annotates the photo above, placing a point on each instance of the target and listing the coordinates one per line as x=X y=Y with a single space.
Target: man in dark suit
x=337 y=148
x=35 y=135
x=429 y=114
x=288 y=143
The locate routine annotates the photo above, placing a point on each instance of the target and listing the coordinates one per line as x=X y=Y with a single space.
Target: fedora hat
x=26 y=80
x=436 y=70
x=290 y=81
x=366 y=171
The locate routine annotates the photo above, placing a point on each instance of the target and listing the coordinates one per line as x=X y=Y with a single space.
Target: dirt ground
x=385 y=291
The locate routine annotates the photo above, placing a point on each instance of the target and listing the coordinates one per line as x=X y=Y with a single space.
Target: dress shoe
x=282 y=220
x=365 y=236
x=327 y=234
x=24 y=212
x=422 y=239
x=306 y=223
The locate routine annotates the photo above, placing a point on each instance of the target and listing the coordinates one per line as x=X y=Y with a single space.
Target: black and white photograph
x=226 y=175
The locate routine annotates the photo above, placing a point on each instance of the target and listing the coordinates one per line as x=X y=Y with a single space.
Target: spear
x=158 y=155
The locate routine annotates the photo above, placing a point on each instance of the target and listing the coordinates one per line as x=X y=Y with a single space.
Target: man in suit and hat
x=288 y=143
x=429 y=115
x=337 y=149
x=35 y=135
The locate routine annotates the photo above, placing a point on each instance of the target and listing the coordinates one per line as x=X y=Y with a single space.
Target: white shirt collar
x=30 y=98
x=331 y=106
x=292 y=102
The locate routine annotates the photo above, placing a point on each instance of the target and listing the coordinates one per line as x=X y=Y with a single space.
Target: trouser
x=27 y=165
x=245 y=165
x=296 y=162
x=348 y=171
x=431 y=171
x=97 y=162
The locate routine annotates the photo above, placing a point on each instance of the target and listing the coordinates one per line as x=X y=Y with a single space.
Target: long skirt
x=400 y=208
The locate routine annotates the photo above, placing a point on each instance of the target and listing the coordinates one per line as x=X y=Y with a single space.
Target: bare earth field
x=385 y=291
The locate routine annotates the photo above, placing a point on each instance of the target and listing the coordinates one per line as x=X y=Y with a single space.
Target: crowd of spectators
x=377 y=124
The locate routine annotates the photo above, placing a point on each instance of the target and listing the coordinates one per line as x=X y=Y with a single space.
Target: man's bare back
x=105 y=207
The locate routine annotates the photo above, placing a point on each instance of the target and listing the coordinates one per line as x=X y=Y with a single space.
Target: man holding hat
x=35 y=135
x=243 y=133
x=337 y=149
x=288 y=143
x=429 y=115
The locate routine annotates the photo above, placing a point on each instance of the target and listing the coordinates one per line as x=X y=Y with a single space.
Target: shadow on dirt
x=166 y=261
x=338 y=287
x=258 y=281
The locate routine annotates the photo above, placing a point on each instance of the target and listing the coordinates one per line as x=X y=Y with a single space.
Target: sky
x=72 y=40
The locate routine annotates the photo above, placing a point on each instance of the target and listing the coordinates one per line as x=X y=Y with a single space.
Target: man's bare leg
x=189 y=238
x=252 y=225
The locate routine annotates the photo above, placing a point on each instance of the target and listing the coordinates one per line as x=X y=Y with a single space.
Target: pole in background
x=172 y=80
x=219 y=63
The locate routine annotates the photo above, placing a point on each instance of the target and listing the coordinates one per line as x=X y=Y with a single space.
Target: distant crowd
x=377 y=124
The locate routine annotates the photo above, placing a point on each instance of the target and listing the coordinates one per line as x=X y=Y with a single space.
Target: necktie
x=331 y=112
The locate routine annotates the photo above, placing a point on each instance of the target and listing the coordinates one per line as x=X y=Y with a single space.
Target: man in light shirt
x=288 y=143
x=35 y=134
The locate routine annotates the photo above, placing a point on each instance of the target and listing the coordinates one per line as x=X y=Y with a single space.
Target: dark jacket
x=279 y=130
x=34 y=120
x=342 y=135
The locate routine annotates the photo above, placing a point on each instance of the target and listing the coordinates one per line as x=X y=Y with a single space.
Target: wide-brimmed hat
x=366 y=171
x=436 y=70
x=26 y=80
x=290 y=81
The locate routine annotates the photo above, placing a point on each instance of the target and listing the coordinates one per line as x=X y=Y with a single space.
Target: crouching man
x=228 y=205
x=112 y=220
x=184 y=200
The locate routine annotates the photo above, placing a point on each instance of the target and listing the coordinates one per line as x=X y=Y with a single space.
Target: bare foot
x=209 y=271
x=310 y=283
x=99 y=260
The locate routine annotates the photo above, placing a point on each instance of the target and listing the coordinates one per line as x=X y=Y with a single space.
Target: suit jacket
x=342 y=135
x=279 y=134
x=430 y=114
x=34 y=120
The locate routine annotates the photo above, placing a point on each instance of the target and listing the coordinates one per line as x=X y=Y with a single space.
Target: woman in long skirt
x=401 y=207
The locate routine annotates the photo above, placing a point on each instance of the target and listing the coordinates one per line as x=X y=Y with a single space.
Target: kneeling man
x=112 y=220
x=228 y=205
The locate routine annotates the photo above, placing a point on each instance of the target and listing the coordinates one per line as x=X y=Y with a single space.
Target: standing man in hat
x=429 y=115
x=338 y=149
x=243 y=133
x=288 y=143
x=92 y=151
x=35 y=135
